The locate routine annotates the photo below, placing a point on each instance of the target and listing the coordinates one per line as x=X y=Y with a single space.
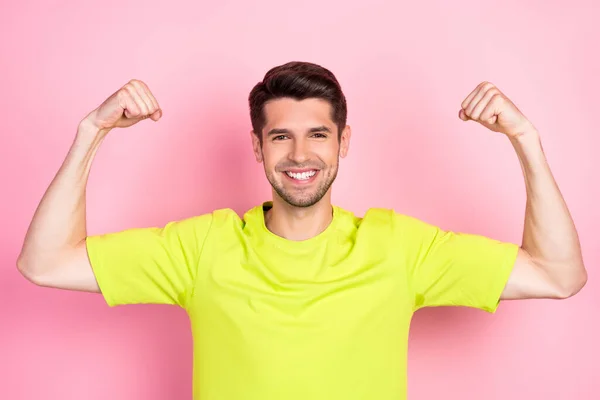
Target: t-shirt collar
x=255 y=223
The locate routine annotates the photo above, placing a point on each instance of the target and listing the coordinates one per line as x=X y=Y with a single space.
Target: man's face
x=300 y=149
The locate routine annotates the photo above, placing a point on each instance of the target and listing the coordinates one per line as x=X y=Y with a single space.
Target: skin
x=549 y=263
x=300 y=136
x=54 y=252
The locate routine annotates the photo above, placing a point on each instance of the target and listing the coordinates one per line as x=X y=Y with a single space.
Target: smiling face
x=300 y=149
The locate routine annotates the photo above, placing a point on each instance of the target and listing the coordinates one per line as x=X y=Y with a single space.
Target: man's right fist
x=127 y=106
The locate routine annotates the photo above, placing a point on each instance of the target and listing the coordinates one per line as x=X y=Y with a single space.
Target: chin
x=302 y=203
x=296 y=196
x=304 y=200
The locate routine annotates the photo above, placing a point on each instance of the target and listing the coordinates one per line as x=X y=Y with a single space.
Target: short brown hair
x=298 y=80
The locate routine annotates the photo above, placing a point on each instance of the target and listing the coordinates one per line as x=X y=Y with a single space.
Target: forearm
x=549 y=234
x=59 y=223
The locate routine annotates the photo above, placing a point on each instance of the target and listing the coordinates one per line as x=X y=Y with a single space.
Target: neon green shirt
x=322 y=319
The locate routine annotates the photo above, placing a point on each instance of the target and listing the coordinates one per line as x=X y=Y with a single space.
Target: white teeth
x=301 y=176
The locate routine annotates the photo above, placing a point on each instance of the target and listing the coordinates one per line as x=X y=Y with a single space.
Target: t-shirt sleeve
x=447 y=268
x=149 y=265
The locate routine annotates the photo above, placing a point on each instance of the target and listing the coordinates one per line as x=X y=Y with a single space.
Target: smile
x=301 y=176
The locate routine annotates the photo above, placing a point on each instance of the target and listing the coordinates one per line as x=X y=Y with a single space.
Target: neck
x=299 y=223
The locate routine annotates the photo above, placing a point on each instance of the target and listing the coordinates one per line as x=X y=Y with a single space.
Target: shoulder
x=396 y=223
x=214 y=220
x=383 y=216
x=375 y=219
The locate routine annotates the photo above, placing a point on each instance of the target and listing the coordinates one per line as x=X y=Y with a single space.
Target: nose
x=299 y=151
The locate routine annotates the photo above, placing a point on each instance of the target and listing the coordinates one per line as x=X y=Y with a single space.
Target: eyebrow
x=280 y=131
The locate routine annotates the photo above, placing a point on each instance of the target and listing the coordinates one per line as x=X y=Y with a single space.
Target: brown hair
x=298 y=80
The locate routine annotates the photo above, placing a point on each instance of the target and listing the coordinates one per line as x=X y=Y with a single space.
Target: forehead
x=297 y=114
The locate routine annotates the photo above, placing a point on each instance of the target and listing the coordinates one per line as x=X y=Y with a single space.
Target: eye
x=320 y=135
x=279 y=137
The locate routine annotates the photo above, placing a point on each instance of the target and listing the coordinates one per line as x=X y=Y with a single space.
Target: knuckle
x=139 y=84
x=134 y=85
x=488 y=86
x=123 y=94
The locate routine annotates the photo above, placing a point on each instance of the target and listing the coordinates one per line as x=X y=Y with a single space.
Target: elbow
x=574 y=286
x=24 y=267
x=28 y=269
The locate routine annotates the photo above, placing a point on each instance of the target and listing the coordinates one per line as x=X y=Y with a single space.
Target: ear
x=345 y=141
x=256 y=147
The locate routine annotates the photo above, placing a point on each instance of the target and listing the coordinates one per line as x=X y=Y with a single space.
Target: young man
x=300 y=299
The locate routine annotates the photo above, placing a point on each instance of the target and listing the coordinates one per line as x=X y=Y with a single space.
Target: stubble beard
x=300 y=198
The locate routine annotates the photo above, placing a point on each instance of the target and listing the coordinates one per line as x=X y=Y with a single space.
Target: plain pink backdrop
x=405 y=68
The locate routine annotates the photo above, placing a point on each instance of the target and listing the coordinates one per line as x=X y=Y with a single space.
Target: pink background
x=405 y=68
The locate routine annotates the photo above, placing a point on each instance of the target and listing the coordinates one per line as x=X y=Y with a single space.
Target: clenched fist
x=487 y=105
x=127 y=106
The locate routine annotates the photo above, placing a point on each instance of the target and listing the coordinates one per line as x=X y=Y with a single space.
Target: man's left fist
x=491 y=108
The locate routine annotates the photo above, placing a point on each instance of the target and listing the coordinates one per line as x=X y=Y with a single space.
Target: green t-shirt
x=322 y=319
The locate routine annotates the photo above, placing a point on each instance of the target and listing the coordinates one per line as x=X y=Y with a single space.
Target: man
x=300 y=299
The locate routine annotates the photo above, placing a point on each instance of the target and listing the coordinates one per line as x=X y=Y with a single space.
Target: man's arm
x=549 y=263
x=54 y=252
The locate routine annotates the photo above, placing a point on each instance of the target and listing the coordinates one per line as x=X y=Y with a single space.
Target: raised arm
x=549 y=263
x=54 y=250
